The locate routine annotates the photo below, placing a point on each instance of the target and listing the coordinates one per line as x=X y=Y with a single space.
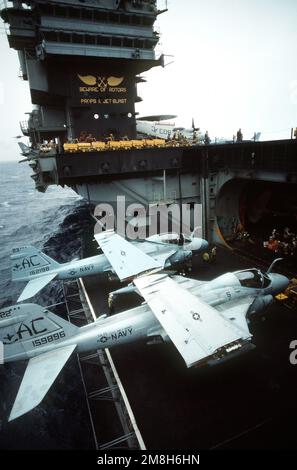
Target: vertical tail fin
x=25 y=150
x=25 y=330
x=28 y=262
x=28 y=327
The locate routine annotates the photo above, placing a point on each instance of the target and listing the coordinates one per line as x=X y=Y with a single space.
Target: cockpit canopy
x=176 y=238
x=172 y=238
x=253 y=278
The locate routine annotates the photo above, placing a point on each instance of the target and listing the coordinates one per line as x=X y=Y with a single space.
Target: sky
x=233 y=64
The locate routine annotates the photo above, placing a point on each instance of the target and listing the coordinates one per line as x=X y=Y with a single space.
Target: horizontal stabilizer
x=198 y=331
x=34 y=286
x=40 y=374
x=126 y=259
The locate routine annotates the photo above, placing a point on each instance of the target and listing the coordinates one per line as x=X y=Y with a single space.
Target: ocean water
x=28 y=217
x=54 y=222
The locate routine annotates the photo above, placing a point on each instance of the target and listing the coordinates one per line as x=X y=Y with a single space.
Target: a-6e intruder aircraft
x=208 y=322
x=167 y=251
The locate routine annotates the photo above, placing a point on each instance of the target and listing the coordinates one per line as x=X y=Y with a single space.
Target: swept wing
x=198 y=330
x=126 y=259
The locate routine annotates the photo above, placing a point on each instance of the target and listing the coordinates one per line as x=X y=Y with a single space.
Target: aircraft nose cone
x=198 y=245
x=280 y=282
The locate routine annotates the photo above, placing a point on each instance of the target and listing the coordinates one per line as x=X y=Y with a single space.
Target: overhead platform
x=270 y=156
x=93 y=166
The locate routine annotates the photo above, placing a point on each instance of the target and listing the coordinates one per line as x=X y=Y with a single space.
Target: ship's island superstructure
x=83 y=60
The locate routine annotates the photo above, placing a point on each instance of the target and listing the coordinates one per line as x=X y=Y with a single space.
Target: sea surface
x=53 y=221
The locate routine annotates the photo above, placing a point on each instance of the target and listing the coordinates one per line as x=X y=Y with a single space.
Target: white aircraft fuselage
x=208 y=322
x=30 y=264
x=139 y=322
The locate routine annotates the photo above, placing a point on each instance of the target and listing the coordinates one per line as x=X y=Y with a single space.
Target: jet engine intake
x=259 y=305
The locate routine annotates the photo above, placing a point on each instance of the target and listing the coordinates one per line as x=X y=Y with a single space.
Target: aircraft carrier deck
x=246 y=403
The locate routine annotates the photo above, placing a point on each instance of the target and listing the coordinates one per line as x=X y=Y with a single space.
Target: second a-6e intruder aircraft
x=207 y=321
x=168 y=250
